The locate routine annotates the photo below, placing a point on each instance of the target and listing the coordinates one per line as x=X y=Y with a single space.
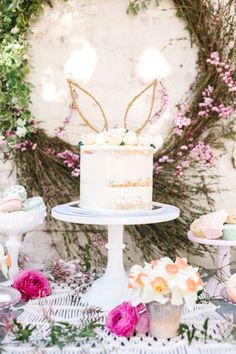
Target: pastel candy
x=231 y=287
x=231 y=216
x=209 y=226
x=10 y=203
x=33 y=203
x=229 y=232
x=213 y=232
x=17 y=189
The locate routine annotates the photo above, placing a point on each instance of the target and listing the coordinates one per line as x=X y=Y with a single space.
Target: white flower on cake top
x=117 y=136
x=164 y=280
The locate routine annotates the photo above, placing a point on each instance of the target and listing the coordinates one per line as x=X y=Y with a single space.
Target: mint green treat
x=16 y=190
x=33 y=203
x=229 y=232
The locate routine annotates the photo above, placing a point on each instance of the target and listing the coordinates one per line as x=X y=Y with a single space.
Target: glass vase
x=164 y=319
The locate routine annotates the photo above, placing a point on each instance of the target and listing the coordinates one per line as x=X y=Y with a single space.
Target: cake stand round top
x=166 y=212
x=211 y=242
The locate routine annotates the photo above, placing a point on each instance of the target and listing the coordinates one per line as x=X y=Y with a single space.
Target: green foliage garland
x=212 y=29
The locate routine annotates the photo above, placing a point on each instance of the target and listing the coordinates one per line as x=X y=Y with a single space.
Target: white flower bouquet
x=164 y=280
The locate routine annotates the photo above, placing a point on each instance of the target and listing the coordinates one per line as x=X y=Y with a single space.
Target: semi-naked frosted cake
x=116 y=170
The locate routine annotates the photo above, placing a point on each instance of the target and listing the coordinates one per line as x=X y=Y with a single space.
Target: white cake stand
x=214 y=286
x=13 y=225
x=112 y=288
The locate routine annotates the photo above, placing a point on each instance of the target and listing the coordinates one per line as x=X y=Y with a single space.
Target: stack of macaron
x=215 y=225
x=15 y=199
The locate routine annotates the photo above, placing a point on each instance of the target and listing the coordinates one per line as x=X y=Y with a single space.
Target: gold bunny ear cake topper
x=73 y=96
x=153 y=85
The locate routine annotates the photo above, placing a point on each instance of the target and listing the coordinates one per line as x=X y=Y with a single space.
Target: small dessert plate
x=8 y=296
x=157 y=208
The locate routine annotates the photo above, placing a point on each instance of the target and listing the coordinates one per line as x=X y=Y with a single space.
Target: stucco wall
x=113 y=56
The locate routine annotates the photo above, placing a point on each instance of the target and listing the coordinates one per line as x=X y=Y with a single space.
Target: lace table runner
x=64 y=305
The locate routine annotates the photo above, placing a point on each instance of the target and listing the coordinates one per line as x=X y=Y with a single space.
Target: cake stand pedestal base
x=112 y=288
x=216 y=284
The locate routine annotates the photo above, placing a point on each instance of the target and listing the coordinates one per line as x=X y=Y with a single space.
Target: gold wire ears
x=153 y=85
x=72 y=93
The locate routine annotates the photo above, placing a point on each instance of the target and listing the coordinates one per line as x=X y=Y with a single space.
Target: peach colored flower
x=172 y=268
x=159 y=285
x=139 y=279
x=181 y=262
x=8 y=261
x=191 y=285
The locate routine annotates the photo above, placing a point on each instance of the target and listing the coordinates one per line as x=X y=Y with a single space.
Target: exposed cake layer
x=116 y=177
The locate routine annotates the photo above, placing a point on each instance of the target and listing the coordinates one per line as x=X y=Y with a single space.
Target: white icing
x=116 y=177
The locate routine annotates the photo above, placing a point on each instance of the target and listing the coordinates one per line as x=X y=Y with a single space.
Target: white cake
x=116 y=177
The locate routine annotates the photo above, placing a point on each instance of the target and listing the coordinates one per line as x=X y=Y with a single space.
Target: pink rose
x=32 y=284
x=122 y=320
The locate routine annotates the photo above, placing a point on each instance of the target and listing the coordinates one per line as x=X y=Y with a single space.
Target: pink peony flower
x=122 y=320
x=32 y=284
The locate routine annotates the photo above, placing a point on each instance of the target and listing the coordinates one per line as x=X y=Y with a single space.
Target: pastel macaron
x=231 y=287
x=231 y=216
x=10 y=203
x=229 y=232
x=16 y=190
x=209 y=226
x=33 y=203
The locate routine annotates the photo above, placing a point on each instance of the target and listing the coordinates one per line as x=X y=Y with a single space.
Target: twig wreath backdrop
x=49 y=166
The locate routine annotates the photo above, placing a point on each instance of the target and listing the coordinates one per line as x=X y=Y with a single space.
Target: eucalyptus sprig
x=193 y=333
x=60 y=333
x=21 y=332
x=64 y=333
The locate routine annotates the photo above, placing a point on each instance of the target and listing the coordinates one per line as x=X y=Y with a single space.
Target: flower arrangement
x=164 y=283
x=164 y=280
x=32 y=284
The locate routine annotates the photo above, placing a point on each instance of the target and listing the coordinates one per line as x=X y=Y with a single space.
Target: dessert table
x=65 y=305
x=215 y=286
x=112 y=288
